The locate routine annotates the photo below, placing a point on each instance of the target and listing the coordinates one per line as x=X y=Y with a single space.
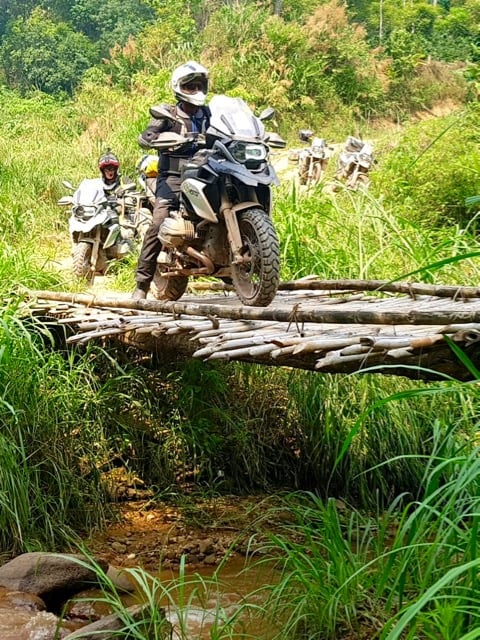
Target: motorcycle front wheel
x=316 y=174
x=363 y=180
x=165 y=288
x=256 y=279
x=82 y=255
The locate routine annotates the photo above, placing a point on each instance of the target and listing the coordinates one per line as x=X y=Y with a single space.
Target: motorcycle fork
x=95 y=249
x=229 y=213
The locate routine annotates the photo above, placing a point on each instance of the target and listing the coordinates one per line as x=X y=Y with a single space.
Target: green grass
x=386 y=540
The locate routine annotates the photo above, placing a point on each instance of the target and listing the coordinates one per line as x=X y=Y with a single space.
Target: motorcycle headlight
x=83 y=212
x=248 y=152
x=365 y=157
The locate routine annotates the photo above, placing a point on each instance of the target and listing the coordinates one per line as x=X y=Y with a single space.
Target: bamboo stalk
x=82 y=338
x=299 y=315
x=261 y=350
x=426 y=341
x=230 y=345
x=282 y=351
x=235 y=329
x=316 y=284
x=410 y=288
x=324 y=344
x=467 y=335
x=353 y=349
x=337 y=361
x=258 y=330
x=398 y=354
x=387 y=342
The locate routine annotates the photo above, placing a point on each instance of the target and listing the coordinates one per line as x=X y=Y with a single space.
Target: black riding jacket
x=170 y=162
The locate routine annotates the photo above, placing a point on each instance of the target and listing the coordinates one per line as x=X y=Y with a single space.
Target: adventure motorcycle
x=312 y=160
x=223 y=226
x=135 y=212
x=354 y=163
x=101 y=226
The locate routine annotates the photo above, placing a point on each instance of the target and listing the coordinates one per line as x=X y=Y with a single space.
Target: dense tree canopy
x=42 y=53
x=296 y=54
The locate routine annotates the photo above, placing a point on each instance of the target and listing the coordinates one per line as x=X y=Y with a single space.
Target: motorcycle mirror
x=305 y=134
x=65 y=200
x=68 y=185
x=274 y=140
x=267 y=114
x=159 y=112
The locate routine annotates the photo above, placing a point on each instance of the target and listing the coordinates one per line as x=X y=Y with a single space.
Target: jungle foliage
x=381 y=544
x=316 y=58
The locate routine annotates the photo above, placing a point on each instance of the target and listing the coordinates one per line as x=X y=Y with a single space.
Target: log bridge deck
x=410 y=329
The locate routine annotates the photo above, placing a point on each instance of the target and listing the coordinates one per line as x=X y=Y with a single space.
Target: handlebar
x=170 y=140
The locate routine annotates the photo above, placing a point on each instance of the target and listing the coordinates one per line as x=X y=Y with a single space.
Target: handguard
x=275 y=141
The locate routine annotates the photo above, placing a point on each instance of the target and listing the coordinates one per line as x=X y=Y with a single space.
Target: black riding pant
x=166 y=195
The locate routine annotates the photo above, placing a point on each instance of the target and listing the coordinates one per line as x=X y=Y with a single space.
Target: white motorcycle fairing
x=85 y=226
x=87 y=213
x=194 y=190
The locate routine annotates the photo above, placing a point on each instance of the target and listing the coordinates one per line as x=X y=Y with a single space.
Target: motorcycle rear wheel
x=82 y=255
x=256 y=281
x=165 y=288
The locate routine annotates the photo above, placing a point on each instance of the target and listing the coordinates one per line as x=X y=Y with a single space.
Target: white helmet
x=190 y=73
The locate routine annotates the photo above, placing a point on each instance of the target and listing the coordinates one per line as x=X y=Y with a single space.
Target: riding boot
x=141 y=291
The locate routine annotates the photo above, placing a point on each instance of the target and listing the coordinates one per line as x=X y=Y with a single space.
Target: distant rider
x=109 y=166
x=189 y=84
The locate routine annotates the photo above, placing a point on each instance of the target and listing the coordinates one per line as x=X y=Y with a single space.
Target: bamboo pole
x=410 y=288
x=465 y=313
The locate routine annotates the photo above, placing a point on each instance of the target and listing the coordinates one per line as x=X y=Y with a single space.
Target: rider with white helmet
x=189 y=84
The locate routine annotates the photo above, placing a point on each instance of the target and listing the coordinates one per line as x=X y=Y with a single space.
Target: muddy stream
x=219 y=573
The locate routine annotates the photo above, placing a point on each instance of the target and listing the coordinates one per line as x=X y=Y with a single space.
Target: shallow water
x=202 y=616
x=200 y=604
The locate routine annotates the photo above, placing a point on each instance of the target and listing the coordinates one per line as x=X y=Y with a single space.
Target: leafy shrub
x=40 y=53
x=433 y=168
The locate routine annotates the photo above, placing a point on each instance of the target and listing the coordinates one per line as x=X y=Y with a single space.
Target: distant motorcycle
x=102 y=227
x=312 y=160
x=354 y=163
x=223 y=227
x=135 y=211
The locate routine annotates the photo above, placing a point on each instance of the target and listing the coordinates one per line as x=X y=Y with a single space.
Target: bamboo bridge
x=415 y=330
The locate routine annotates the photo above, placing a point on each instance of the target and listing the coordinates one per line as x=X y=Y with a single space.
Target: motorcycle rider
x=109 y=166
x=189 y=83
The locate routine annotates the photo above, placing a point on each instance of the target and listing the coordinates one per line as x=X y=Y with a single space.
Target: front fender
x=242 y=174
x=77 y=225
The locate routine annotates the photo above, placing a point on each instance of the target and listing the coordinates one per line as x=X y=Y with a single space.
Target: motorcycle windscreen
x=234 y=118
x=90 y=191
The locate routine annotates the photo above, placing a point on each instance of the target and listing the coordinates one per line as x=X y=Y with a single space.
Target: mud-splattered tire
x=81 y=256
x=256 y=281
x=363 y=181
x=302 y=176
x=164 y=288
